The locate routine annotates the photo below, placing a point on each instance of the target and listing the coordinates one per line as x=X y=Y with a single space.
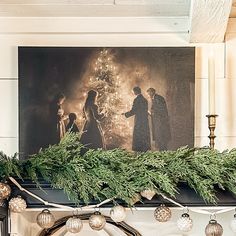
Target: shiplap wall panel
x=9 y=145
x=231 y=55
x=225 y=100
x=225 y=107
x=10 y=42
x=56 y=2
x=203 y=52
x=9 y=108
x=85 y=25
x=93 y=8
x=85 y=10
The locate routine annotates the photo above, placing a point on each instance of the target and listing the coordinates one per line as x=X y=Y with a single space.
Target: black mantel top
x=186 y=196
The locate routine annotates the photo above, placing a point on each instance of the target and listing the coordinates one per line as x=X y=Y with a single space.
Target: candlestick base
x=212 y=126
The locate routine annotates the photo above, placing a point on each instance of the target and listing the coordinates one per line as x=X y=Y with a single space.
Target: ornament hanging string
x=200 y=211
x=57 y=205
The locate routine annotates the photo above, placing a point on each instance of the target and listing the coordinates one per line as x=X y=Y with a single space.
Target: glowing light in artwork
x=106 y=80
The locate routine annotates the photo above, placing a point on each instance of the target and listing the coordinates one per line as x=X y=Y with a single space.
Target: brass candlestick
x=212 y=126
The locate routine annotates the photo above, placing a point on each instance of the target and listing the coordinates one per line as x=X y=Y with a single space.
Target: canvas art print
x=139 y=99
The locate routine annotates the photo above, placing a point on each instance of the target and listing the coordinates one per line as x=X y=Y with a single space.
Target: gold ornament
x=136 y=198
x=213 y=229
x=162 y=213
x=74 y=224
x=118 y=213
x=45 y=219
x=5 y=191
x=17 y=204
x=148 y=193
x=97 y=221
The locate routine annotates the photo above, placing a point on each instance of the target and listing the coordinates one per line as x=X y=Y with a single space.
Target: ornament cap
x=45 y=211
x=212 y=222
x=186 y=215
x=97 y=213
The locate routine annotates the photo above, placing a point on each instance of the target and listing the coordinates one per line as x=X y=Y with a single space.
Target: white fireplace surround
x=142 y=219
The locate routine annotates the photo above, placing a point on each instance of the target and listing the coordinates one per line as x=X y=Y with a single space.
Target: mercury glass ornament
x=118 y=213
x=17 y=204
x=148 y=193
x=97 y=221
x=5 y=191
x=45 y=219
x=74 y=224
x=185 y=223
x=233 y=224
x=136 y=198
x=162 y=213
x=213 y=229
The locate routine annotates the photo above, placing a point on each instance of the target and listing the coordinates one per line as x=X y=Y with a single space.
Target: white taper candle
x=211 y=84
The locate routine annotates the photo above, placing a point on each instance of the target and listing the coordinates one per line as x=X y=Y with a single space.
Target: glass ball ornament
x=233 y=224
x=148 y=193
x=45 y=219
x=136 y=198
x=5 y=191
x=185 y=223
x=118 y=213
x=162 y=213
x=17 y=204
x=97 y=221
x=213 y=229
x=74 y=224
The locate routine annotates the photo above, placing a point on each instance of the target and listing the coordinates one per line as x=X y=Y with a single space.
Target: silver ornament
x=185 y=223
x=5 y=191
x=74 y=224
x=162 y=213
x=213 y=229
x=97 y=221
x=45 y=219
x=233 y=224
x=17 y=204
x=118 y=213
x=148 y=193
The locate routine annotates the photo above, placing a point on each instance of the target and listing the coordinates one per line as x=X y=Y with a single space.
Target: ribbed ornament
x=213 y=229
x=74 y=224
x=45 y=219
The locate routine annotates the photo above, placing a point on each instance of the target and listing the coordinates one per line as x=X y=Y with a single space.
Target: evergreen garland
x=100 y=174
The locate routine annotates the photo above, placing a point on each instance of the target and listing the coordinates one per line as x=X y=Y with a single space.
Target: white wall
x=34 y=32
x=63 y=32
